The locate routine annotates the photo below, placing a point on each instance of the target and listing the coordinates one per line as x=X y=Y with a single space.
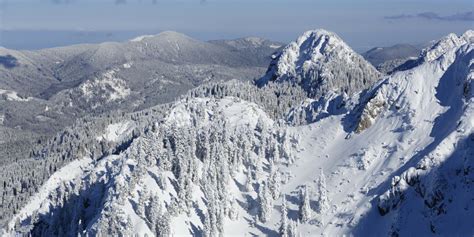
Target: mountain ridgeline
x=44 y=91
x=321 y=144
x=154 y=67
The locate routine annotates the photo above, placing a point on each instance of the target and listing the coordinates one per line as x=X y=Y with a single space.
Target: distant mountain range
x=64 y=83
x=380 y=55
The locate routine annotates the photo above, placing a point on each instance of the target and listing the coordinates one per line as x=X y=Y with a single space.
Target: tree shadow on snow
x=199 y=212
x=250 y=205
x=266 y=231
x=240 y=186
x=195 y=231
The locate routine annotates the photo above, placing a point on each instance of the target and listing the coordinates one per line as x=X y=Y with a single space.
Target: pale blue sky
x=361 y=23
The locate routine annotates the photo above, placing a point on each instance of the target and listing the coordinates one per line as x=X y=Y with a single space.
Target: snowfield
x=235 y=111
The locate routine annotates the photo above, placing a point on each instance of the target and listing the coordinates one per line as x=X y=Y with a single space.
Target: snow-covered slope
x=320 y=62
x=438 y=183
x=116 y=132
x=396 y=159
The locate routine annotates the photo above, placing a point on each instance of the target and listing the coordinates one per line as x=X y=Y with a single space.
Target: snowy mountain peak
x=323 y=40
x=168 y=35
x=320 y=61
x=141 y=38
x=172 y=34
x=308 y=49
x=254 y=40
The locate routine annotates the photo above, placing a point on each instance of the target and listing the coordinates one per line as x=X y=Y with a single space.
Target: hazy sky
x=361 y=23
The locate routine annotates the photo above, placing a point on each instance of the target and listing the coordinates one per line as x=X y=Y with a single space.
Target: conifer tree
x=284 y=218
x=304 y=207
x=322 y=200
x=266 y=202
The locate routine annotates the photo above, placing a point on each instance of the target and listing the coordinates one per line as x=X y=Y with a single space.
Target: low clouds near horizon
x=462 y=16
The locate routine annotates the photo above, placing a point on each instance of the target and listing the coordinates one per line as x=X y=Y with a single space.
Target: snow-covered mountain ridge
x=394 y=159
x=445 y=44
x=437 y=49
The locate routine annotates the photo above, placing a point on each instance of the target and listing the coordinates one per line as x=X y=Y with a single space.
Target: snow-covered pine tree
x=142 y=200
x=233 y=212
x=322 y=200
x=322 y=194
x=210 y=219
x=249 y=179
x=293 y=229
x=163 y=226
x=274 y=181
x=284 y=218
x=276 y=152
x=207 y=228
x=304 y=207
x=153 y=212
x=258 y=165
x=266 y=202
